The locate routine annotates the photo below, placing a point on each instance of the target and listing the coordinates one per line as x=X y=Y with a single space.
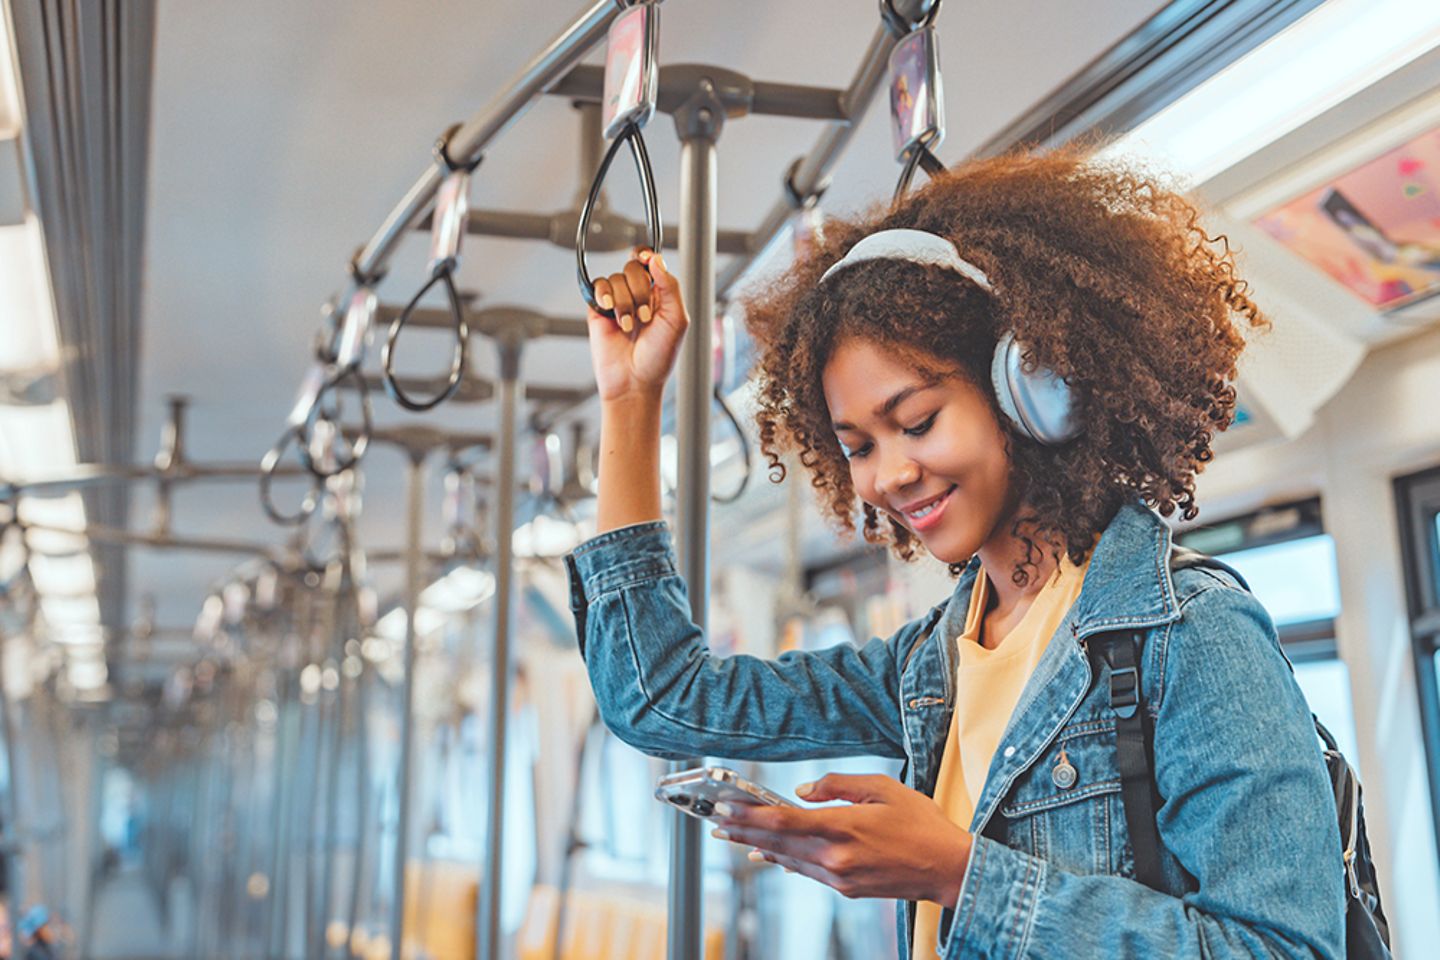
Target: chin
x=951 y=556
x=950 y=548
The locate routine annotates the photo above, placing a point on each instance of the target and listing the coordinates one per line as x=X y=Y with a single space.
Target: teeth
x=924 y=513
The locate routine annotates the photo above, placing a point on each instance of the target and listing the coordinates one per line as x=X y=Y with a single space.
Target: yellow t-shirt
x=988 y=684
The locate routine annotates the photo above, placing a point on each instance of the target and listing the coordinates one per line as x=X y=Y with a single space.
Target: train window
x=1288 y=560
x=1418 y=499
x=1295 y=579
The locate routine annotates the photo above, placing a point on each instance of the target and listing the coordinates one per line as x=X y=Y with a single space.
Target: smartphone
x=917 y=110
x=631 y=70
x=696 y=791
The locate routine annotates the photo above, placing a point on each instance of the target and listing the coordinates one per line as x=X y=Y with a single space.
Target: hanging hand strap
x=328 y=461
x=1122 y=654
x=452 y=210
x=311 y=389
x=921 y=157
x=631 y=135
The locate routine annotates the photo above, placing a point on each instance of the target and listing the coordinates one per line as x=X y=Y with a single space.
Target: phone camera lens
x=703 y=807
x=680 y=799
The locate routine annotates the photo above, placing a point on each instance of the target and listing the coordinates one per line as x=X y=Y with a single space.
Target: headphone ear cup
x=1037 y=402
x=1000 y=381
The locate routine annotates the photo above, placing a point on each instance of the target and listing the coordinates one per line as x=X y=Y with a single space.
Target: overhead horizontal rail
x=86 y=475
x=475 y=389
x=102 y=533
x=492 y=321
x=586 y=83
x=559 y=229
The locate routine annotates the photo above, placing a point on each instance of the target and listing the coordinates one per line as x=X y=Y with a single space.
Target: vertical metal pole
x=10 y=829
x=297 y=820
x=285 y=708
x=98 y=765
x=13 y=847
x=363 y=790
x=327 y=757
x=415 y=485
x=699 y=126
x=344 y=630
x=487 y=930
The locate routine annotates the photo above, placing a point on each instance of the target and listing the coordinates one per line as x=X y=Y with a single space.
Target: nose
x=895 y=472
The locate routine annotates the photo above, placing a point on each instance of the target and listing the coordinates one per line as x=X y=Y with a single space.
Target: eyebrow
x=886 y=408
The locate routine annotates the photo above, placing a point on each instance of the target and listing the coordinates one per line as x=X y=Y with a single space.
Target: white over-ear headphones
x=1037 y=402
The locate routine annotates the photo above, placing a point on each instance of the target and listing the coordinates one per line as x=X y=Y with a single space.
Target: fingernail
x=805 y=789
x=644 y=313
x=643 y=256
x=627 y=323
x=756 y=855
x=724 y=809
x=719 y=834
x=607 y=301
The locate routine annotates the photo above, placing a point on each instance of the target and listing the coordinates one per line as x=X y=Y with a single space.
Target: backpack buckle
x=1124 y=691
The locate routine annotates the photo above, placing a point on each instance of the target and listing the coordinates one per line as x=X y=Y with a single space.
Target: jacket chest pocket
x=1067 y=809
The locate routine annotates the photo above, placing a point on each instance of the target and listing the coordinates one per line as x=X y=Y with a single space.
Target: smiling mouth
x=929 y=515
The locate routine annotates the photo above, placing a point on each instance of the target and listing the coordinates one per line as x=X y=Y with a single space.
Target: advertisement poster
x=1375 y=229
x=912 y=103
x=625 y=70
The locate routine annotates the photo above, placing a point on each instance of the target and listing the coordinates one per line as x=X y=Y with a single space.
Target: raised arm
x=633 y=355
x=658 y=686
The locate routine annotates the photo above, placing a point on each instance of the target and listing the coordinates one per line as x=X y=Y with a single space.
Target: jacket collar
x=1127 y=586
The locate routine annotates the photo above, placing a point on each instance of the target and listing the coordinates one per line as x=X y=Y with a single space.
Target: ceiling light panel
x=9 y=84
x=30 y=341
x=1330 y=54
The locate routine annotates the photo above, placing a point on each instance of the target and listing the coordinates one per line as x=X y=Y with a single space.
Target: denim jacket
x=1251 y=847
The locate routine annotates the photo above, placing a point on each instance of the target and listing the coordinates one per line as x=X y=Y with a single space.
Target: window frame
x=1417 y=501
x=1305 y=642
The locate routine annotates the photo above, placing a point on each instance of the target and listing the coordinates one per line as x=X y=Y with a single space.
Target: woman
x=1012 y=371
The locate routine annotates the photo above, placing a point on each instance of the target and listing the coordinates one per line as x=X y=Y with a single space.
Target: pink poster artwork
x=1375 y=229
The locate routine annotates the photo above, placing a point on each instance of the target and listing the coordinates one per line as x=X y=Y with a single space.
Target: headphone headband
x=916 y=246
x=1036 y=402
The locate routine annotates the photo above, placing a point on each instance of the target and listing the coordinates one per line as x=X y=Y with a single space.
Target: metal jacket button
x=1064 y=773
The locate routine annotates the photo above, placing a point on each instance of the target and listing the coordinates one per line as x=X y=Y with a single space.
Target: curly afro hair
x=1105 y=276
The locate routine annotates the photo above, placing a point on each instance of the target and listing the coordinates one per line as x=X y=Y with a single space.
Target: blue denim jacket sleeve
x=1247 y=811
x=661 y=690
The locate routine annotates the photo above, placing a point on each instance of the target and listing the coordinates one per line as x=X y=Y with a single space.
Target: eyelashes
x=919 y=430
x=922 y=428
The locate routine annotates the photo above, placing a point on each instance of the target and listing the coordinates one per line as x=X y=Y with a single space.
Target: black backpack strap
x=1121 y=652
